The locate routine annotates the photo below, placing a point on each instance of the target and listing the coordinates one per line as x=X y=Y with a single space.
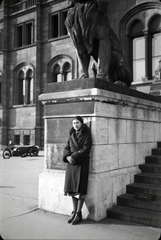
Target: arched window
x=140 y=31
x=21 y=86
x=60 y=69
x=29 y=87
x=155 y=42
x=138 y=50
x=24 y=85
x=1 y=4
x=56 y=73
x=66 y=72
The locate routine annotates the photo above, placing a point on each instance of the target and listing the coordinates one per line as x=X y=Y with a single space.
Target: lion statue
x=88 y=26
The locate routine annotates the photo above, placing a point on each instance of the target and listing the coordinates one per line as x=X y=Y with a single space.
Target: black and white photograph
x=80 y=119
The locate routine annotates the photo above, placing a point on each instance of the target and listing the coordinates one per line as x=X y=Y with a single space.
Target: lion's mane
x=82 y=21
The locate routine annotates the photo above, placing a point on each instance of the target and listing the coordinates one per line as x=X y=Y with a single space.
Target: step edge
x=140 y=211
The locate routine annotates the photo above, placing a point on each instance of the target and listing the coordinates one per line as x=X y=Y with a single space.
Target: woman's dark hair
x=79 y=118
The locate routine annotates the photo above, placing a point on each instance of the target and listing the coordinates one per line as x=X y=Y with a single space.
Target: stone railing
x=22 y=6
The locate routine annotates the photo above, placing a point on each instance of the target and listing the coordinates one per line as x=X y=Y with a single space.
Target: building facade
x=35 y=50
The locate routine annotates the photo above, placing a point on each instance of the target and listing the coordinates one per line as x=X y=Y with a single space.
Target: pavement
x=20 y=217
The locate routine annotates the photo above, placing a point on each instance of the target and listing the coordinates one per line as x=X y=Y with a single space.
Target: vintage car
x=20 y=150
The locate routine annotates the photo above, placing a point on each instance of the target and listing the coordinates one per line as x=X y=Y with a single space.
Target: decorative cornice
x=138 y=8
x=99 y=95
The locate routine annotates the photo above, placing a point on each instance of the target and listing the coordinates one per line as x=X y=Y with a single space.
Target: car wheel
x=33 y=152
x=6 y=154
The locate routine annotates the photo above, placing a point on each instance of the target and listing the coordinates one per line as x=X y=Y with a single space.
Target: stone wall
x=124 y=129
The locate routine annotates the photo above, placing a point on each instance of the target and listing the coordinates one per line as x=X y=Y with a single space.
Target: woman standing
x=76 y=155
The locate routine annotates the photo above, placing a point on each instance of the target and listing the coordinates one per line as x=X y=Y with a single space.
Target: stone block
x=133 y=131
x=141 y=150
x=147 y=131
x=102 y=109
x=159 y=116
x=126 y=155
x=149 y=115
x=103 y=158
x=138 y=113
x=100 y=131
x=58 y=130
x=129 y=171
x=124 y=112
x=119 y=183
x=157 y=133
x=151 y=146
x=117 y=131
x=27 y=117
x=74 y=108
x=51 y=194
x=54 y=156
x=98 y=185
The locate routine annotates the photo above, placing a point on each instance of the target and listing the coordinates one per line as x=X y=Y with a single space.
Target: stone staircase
x=130 y=209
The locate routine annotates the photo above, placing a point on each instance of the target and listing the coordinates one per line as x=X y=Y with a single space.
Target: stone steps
x=141 y=216
x=150 y=168
x=156 y=151
x=159 y=144
x=144 y=188
x=148 y=181
x=148 y=178
x=129 y=200
x=154 y=159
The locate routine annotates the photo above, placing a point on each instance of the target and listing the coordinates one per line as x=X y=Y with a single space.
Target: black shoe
x=77 y=218
x=72 y=217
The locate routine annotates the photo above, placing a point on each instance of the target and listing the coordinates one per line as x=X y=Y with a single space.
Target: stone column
x=38 y=75
x=146 y=55
x=5 y=79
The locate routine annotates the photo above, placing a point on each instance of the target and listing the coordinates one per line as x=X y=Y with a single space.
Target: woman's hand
x=70 y=159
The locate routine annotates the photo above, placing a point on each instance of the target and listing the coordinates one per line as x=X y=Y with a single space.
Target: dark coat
x=78 y=147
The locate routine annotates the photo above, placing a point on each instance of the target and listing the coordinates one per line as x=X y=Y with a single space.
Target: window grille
x=26 y=139
x=17 y=139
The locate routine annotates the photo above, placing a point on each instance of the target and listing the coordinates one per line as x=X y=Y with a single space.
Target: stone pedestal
x=125 y=126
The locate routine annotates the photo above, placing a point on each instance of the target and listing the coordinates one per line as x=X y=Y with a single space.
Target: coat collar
x=83 y=130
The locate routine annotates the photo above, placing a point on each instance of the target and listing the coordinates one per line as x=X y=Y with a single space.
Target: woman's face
x=76 y=124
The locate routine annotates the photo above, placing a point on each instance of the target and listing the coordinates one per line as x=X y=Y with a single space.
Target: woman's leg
x=78 y=216
x=75 y=204
x=80 y=205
